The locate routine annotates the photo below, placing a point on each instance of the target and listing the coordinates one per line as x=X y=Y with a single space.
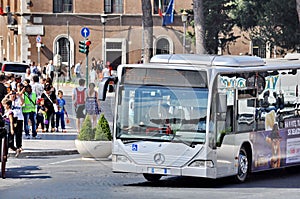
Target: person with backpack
x=78 y=98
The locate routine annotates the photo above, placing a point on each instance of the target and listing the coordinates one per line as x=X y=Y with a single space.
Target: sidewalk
x=60 y=143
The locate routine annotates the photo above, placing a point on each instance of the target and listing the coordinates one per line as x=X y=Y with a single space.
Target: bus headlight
x=120 y=158
x=202 y=163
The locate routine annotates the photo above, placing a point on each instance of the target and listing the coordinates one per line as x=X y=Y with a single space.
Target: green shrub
x=86 y=132
x=102 y=130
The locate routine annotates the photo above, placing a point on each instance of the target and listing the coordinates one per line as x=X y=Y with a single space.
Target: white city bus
x=205 y=116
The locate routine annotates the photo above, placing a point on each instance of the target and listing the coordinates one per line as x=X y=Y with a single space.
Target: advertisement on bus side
x=276 y=147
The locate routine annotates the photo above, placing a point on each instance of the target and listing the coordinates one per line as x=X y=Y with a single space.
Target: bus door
x=224 y=118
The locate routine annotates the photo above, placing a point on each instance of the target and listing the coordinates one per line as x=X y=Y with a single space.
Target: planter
x=94 y=149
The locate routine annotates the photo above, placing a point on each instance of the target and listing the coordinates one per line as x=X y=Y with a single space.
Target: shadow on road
x=33 y=172
x=281 y=178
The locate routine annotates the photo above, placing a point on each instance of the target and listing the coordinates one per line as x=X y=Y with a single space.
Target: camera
x=21 y=86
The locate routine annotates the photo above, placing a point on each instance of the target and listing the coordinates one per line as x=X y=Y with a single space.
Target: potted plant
x=94 y=143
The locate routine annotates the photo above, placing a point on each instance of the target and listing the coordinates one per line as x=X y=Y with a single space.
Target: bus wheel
x=243 y=165
x=152 y=177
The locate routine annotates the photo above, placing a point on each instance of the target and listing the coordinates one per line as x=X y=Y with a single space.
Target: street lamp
x=184 y=17
x=103 y=21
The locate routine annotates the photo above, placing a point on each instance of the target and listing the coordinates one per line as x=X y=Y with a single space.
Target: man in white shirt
x=77 y=69
x=37 y=88
x=50 y=70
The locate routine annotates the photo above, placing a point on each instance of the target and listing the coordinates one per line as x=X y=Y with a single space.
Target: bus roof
x=209 y=60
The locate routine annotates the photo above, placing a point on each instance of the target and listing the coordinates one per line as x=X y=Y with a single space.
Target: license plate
x=158 y=170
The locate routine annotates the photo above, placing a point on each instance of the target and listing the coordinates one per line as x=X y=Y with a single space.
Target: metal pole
x=39 y=54
x=87 y=71
x=104 y=46
x=184 y=35
x=68 y=46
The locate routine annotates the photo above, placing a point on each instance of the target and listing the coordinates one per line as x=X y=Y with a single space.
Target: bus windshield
x=160 y=113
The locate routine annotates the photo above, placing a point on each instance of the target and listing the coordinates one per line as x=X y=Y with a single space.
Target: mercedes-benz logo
x=159 y=158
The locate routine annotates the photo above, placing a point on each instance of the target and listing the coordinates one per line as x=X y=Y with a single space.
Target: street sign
x=38 y=39
x=85 y=32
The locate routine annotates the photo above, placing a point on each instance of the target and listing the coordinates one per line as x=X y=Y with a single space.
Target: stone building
x=37 y=30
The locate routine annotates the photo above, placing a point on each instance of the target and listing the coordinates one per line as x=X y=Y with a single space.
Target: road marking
x=64 y=161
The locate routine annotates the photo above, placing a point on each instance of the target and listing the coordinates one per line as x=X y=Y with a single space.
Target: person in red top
x=109 y=67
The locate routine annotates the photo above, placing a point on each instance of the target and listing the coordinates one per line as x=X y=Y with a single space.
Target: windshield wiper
x=190 y=144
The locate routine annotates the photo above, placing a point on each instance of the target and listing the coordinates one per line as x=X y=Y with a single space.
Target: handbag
x=55 y=108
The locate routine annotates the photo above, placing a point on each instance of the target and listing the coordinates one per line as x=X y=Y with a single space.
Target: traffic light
x=84 y=46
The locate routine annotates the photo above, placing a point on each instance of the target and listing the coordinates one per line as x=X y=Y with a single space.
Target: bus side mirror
x=221 y=103
x=102 y=90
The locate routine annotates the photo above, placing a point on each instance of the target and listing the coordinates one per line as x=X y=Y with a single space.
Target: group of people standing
x=30 y=103
x=97 y=72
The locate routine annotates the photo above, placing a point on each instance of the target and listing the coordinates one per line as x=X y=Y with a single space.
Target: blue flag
x=169 y=15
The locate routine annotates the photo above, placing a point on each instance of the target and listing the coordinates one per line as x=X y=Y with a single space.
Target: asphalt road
x=72 y=177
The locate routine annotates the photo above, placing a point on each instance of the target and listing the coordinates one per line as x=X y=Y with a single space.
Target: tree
x=269 y=21
x=86 y=132
x=199 y=26
x=218 y=25
x=298 y=9
x=102 y=131
x=147 y=30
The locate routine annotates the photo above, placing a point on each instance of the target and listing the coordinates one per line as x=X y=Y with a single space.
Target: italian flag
x=160 y=8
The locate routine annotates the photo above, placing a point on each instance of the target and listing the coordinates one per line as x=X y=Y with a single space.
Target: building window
x=259 y=49
x=63 y=49
x=164 y=3
x=113 y=6
x=163 y=46
x=62 y=6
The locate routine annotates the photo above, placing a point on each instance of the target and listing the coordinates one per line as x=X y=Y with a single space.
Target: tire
x=152 y=177
x=4 y=151
x=243 y=166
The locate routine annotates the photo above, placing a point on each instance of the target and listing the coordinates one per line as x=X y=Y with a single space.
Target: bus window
x=162 y=113
x=245 y=115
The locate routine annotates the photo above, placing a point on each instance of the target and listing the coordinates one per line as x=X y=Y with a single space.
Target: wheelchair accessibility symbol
x=134 y=147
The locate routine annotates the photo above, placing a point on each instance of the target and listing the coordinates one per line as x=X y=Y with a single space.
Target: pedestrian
x=3 y=92
x=92 y=104
x=60 y=114
x=17 y=103
x=28 y=74
x=33 y=69
x=13 y=82
x=44 y=69
x=93 y=74
x=37 y=88
x=77 y=69
x=106 y=72
x=50 y=70
x=29 y=112
x=78 y=98
x=41 y=114
x=50 y=100
x=9 y=122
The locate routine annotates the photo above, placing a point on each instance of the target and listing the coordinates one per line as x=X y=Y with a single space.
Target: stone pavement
x=61 y=143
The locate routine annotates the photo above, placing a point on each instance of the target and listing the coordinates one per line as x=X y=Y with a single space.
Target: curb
x=27 y=154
